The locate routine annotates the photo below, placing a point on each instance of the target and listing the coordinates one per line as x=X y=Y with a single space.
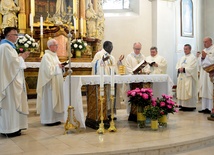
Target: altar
x=162 y=84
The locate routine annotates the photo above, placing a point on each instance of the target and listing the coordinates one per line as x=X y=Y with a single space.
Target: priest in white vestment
x=134 y=58
x=158 y=64
x=187 y=80
x=50 y=103
x=206 y=86
x=131 y=61
x=105 y=58
x=13 y=95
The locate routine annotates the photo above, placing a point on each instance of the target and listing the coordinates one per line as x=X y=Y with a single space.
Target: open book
x=139 y=67
x=151 y=64
x=65 y=63
x=209 y=68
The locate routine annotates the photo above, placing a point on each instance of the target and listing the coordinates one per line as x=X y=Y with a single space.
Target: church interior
x=160 y=23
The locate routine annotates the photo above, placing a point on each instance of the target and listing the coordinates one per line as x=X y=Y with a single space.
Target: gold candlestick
x=101 y=125
x=41 y=44
x=112 y=127
x=68 y=125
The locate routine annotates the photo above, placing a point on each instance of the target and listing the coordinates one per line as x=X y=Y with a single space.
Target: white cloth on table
x=162 y=84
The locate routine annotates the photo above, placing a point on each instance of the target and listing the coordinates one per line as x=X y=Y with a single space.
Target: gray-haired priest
x=50 y=103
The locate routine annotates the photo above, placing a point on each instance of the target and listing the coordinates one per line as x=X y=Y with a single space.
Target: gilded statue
x=100 y=22
x=91 y=21
x=9 y=11
x=60 y=7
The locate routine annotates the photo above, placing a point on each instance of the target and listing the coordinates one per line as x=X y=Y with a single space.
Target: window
x=116 y=4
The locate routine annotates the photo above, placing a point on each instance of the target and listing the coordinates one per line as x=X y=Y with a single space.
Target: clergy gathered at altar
x=105 y=86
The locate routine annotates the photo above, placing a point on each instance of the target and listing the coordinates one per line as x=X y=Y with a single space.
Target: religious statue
x=60 y=7
x=100 y=22
x=91 y=21
x=9 y=10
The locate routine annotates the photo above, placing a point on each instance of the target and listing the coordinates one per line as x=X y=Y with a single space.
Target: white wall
x=125 y=29
x=167 y=31
x=208 y=18
x=158 y=24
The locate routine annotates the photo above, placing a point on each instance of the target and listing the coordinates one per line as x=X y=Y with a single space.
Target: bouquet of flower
x=153 y=112
x=166 y=104
x=140 y=97
x=25 y=43
x=78 y=44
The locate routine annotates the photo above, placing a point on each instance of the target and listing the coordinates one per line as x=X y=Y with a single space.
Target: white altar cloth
x=73 y=64
x=162 y=84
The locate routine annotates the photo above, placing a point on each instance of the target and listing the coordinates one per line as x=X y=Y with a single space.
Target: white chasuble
x=50 y=101
x=162 y=64
x=13 y=95
x=132 y=60
x=187 y=82
x=206 y=86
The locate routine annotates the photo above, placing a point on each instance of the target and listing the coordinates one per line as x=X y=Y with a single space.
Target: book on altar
x=65 y=63
x=139 y=67
x=151 y=64
x=209 y=68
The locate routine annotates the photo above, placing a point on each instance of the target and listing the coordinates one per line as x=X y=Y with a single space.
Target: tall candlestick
x=31 y=23
x=81 y=26
x=74 y=19
x=112 y=80
x=101 y=80
x=41 y=25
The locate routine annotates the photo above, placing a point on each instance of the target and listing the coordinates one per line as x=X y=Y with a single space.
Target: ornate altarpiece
x=51 y=29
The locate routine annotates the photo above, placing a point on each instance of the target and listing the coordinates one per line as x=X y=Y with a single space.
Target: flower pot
x=154 y=124
x=78 y=53
x=140 y=117
x=163 y=120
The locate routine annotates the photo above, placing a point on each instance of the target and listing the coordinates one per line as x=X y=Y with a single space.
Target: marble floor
x=187 y=133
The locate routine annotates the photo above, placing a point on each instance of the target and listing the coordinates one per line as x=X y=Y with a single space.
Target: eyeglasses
x=137 y=49
x=14 y=34
x=55 y=45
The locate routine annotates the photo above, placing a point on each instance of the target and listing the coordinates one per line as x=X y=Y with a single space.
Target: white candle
x=31 y=23
x=32 y=7
x=101 y=80
x=74 y=19
x=81 y=25
x=41 y=25
x=112 y=80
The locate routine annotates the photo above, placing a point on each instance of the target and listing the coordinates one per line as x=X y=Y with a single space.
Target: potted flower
x=140 y=98
x=78 y=45
x=153 y=112
x=25 y=43
x=166 y=105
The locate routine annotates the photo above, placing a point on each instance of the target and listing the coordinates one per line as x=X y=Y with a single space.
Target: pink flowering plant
x=140 y=97
x=166 y=104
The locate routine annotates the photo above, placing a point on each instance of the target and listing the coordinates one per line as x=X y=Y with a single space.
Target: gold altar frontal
x=133 y=111
x=94 y=106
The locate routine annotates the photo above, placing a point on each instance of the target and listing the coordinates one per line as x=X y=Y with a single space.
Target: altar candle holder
x=101 y=125
x=112 y=127
x=41 y=37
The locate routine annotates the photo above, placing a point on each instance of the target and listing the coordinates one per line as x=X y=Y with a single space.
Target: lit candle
x=81 y=25
x=41 y=25
x=112 y=80
x=74 y=19
x=101 y=80
x=31 y=23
